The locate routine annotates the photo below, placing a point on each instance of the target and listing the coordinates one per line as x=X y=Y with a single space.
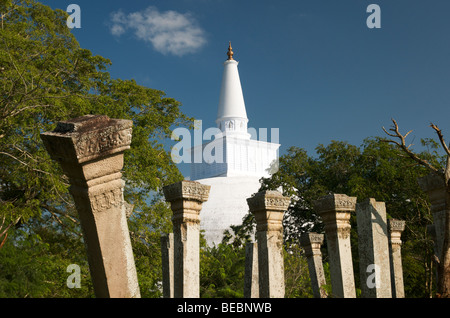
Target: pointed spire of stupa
x=231 y=116
x=230 y=52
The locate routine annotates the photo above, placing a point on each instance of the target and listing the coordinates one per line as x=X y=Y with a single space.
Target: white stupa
x=236 y=162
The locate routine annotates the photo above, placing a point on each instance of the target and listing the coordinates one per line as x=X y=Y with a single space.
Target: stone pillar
x=431 y=231
x=268 y=208
x=396 y=227
x=434 y=186
x=167 y=264
x=335 y=210
x=311 y=242
x=251 y=278
x=90 y=151
x=373 y=246
x=186 y=198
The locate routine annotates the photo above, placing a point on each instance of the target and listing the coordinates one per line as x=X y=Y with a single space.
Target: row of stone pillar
x=379 y=244
x=90 y=152
x=381 y=273
x=379 y=251
x=180 y=249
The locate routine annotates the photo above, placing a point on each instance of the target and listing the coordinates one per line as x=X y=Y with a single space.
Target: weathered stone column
x=186 y=198
x=90 y=151
x=268 y=208
x=431 y=231
x=373 y=246
x=396 y=227
x=251 y=279
x=167 y=264
x=335 y=210
x=311 y=242
x=434 y=186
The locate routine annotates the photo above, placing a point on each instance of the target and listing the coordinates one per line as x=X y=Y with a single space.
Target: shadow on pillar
x=90 y=150
x=335 y=211
x=269 y=208
x=186 y=198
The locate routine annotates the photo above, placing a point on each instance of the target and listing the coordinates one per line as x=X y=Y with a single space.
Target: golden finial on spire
x=230 y=51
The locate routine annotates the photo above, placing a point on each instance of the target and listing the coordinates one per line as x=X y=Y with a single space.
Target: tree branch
x=402 y=144
x=441 y=138
x=22 y=162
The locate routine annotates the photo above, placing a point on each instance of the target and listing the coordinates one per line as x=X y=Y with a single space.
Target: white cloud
x=169 y=32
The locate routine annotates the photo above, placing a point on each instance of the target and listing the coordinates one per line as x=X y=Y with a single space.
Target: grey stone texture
x=268 y=208
x=396 y=227
x=311 y=243
x=434 y=186
x=90 y=150
x=251 y=277
x=373 y=246
x=186 y=198
x=335 y=210
x=167 y=264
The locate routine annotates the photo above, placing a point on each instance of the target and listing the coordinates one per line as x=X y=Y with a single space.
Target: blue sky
x=311 y=68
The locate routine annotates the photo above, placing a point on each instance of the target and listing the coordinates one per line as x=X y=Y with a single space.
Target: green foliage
x=46 y=77
x=222 y=271
x=31 y=267
x=296 y=273
x=145 y=231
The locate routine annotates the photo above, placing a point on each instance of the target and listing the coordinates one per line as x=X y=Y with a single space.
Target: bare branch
x=22 y=162
x=441 y=138
x=26 y=108
x=392 y=135
x=402 y=144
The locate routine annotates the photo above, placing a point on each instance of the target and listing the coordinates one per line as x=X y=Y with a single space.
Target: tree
x=222 y=271
x=46 y=77
x=443 y=260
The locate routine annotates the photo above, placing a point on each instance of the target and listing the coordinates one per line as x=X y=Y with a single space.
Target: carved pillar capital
x=335 y=210
x=312 y=242
x=268 y=208
x=396 y=227
x=90 y=150
x=186 y=198
x=87 y=138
